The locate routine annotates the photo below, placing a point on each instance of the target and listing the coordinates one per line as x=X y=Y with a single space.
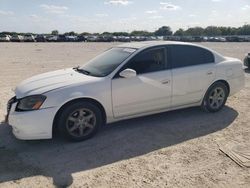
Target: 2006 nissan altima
x=127 y=81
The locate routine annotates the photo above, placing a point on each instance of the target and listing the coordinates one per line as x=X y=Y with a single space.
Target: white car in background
x=5 y=38
x=17 y=38
x=29 y=38
x=127 y=81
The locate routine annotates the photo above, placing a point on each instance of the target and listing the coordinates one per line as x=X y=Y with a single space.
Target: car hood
x=50 y=81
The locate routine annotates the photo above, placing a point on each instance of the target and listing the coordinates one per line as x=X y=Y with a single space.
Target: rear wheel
x=80 y=121
x=215 y=97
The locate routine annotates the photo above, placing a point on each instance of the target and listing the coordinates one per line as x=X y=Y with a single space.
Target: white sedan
x=127 y=81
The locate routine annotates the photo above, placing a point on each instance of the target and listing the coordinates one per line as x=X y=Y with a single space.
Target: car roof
x=140 y=45
x=148 y=44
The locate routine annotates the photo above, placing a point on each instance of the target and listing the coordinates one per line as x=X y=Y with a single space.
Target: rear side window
x=184 y=55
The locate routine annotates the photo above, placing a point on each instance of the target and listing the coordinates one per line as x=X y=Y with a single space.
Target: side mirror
x=128 y=73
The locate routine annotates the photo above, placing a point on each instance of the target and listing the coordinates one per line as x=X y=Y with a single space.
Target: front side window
x=148 y=61
x=185 y=55
x=107 y=62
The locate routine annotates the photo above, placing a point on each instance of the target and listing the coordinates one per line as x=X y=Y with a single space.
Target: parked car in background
x=5 y=38
x=172 y=38
x=151 y=38
x=40 y=38
x=221 y=39
x=105 y=38
x=232 y=39
x=139 y=38
x=53 y=38
x=60 y=38
x=29 y=38
x=247 y=39
x=71 y=38
x=81 y=38
x=247 y=61
x=127 y=81
x=92 y=38
x=123 y=39
x=198 y=39
x=17 y=38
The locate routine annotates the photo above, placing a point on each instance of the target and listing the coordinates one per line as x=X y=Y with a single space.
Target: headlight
x=29 y=103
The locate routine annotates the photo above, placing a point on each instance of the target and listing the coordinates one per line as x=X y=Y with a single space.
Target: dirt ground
x=173 y=149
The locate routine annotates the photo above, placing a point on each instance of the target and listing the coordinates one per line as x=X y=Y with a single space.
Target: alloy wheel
x=216 y=98
x=81 y=122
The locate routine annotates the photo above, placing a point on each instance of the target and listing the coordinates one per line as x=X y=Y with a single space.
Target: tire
x=215 y=97
x=80 y=121
x=247 y=61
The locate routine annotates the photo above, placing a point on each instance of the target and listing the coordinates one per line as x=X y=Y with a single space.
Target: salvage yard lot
x=173 y=149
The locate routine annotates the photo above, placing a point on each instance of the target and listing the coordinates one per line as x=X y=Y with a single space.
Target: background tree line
x=166 y=31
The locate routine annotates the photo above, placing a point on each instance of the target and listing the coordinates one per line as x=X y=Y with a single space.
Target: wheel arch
x=217 y=81
x=86 y=99
x=224 y=82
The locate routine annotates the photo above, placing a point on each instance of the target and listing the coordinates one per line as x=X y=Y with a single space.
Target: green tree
x=121 y=34
x=85 y=33
x=195 y=31
x=163 y=31
x=232 y=30
x=107 y=33
x=179 y=32
x=71 y=33
x=244 y=30
x=55 y=32
x=212 y=31
x=224 y=30
x=141 y=33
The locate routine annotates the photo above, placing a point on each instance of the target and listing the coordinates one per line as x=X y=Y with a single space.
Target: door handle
x=165 y=81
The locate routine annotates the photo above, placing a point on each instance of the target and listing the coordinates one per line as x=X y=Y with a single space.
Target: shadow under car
x=58 y=158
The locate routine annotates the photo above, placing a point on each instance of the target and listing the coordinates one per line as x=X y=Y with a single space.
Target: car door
x=193 y=72
x=149 y=90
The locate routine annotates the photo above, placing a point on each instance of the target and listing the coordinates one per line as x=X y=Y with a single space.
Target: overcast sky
x=119 y=15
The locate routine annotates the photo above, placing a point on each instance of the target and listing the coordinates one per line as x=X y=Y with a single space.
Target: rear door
x=193 y=72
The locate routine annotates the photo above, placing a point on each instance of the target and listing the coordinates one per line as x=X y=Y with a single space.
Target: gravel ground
x=173 y=149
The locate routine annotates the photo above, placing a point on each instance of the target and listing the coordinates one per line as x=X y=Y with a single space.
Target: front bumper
x=31 y=125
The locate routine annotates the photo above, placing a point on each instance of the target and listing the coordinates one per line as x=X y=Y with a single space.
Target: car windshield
x=106 y=62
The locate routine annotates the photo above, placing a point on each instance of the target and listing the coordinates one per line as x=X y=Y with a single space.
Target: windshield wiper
x=81 y=70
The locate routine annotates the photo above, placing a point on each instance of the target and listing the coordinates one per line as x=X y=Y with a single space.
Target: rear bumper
x=236 y=84
x=32 y=125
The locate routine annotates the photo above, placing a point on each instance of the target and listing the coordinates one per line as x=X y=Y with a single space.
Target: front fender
x=100 y=92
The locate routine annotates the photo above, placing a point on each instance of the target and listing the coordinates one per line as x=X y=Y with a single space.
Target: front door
x=149 y=91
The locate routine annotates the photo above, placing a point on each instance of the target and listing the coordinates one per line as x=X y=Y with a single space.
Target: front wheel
x=215 y=97
x=80 y=121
